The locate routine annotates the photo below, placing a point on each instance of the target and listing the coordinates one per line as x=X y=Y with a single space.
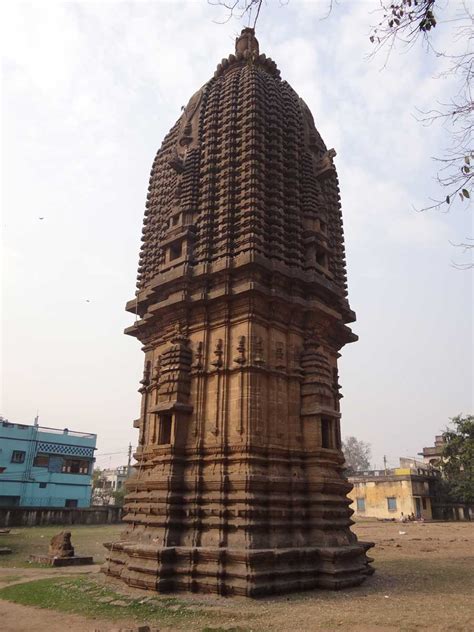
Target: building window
x=338 y=435
x=326 y=432
x=71 y=502
x=321 y=259
x=9 y=501
x=175 y=219
x=55 y=464
x=41 y=460
x=423 y=502
x=360 y=504
x=43 y=485
x=176 y=250
x=164 y=435
x=18 y=456
x=392 y=503
x=75 y=466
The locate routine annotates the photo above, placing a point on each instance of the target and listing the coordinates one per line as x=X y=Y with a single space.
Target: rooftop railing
x=64 y=431
x=397 y=471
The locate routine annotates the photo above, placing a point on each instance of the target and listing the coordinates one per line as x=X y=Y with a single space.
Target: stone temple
x=242 y=310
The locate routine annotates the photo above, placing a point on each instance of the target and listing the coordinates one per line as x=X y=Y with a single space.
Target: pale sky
x=90 y=90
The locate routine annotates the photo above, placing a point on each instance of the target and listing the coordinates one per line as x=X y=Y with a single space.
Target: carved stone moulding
x=250 y=573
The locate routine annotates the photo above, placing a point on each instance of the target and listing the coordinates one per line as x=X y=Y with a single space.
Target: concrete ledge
x=61 y=561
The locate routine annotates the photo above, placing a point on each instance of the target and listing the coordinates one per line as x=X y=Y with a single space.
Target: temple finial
x=246 y=42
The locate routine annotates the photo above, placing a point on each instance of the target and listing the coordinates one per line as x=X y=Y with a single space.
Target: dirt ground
x=17 y=618
x=424 y=580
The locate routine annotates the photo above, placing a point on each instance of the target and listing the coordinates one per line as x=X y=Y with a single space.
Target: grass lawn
x=89 y=596
x=25 y=541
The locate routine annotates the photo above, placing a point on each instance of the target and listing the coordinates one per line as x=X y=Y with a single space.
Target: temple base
x=251 y=573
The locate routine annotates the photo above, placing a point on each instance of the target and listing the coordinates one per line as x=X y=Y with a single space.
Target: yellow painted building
x=391 y=493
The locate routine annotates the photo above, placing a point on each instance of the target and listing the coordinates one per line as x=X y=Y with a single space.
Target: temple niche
x=242 y=311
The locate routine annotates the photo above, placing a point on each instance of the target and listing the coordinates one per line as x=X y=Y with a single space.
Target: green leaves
x=457 y=461
x=464 y=194
x=466 y=168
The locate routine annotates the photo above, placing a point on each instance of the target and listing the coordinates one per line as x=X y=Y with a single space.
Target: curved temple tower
x=242 y=310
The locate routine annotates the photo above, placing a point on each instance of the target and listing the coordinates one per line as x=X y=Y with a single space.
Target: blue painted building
x=45 y=467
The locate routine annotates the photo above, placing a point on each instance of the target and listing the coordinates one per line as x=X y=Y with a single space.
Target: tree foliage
x=119 y=497
x=100 y=493
x=96 y=478
x=357 y=454
x=457 y=461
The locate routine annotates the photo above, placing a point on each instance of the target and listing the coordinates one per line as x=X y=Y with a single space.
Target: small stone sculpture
x=60 y=545
x=61 y=553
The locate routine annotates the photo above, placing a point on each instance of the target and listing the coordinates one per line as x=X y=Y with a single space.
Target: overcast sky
x=89 y=91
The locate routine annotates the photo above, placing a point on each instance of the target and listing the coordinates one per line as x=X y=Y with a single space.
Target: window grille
x=18 y=456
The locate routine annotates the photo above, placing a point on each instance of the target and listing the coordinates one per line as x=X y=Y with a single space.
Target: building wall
x=38 y=516
x=375 y=494
x=18 y=438
x=403 y=488
x=421 y=489
x=45 y=472
x=433 y=454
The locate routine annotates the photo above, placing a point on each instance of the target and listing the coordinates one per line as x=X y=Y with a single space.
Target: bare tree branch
x=466 y=248
x=239 y=9
x=405 y=22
